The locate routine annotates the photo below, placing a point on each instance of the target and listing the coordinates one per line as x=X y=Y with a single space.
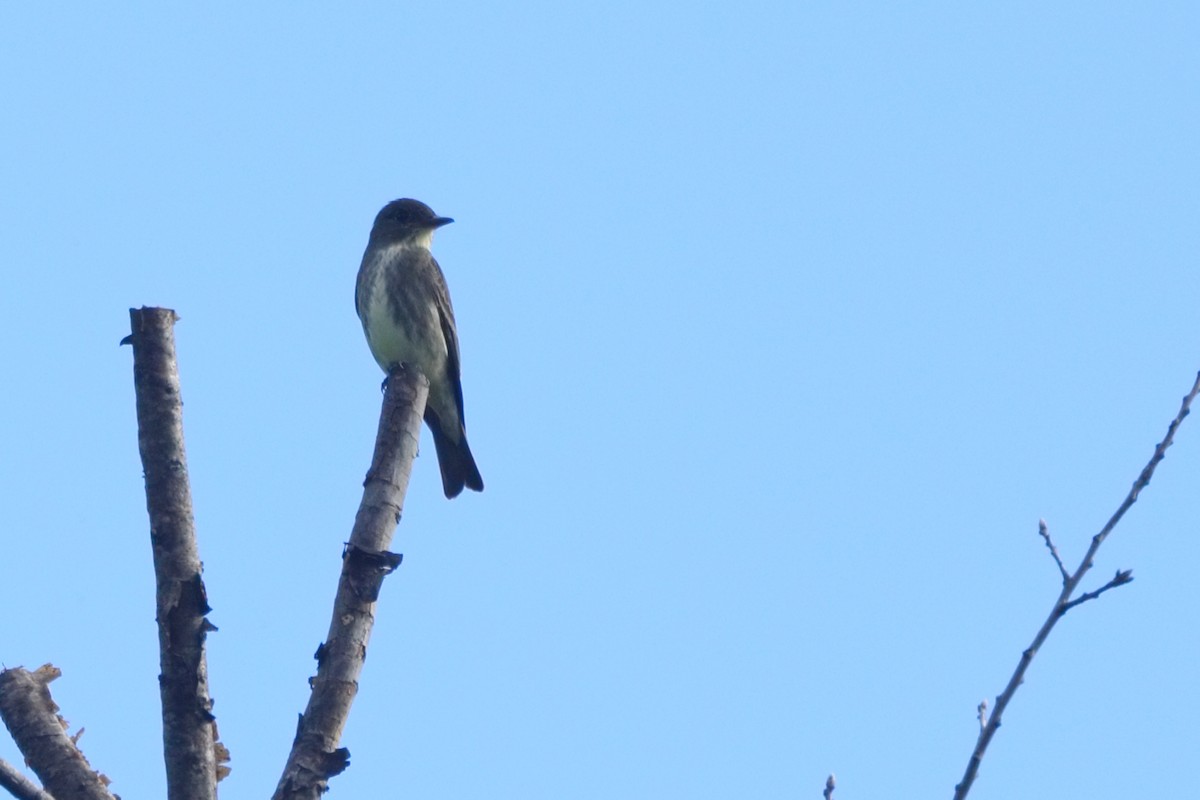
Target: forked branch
x=1064 y=602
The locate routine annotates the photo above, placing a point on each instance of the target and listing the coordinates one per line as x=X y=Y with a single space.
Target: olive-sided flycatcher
x=402 y=300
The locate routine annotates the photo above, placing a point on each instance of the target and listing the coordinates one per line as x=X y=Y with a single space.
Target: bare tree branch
x=1063 y=603
x=1044 y=532
x=1122 y=577
x=830 y=784
x=315 y=755
x=18 y=785
x=189 y=731
x=31 y=716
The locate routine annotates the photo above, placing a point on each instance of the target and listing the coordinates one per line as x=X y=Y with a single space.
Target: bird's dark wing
x=360 y=284
x=434 y=278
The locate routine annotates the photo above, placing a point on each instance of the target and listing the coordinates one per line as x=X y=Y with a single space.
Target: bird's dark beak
x=440 y=221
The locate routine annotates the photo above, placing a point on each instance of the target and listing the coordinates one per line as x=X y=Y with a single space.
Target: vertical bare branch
x=189 y=731
x=1064 y=602
x=31 y=716
x=315 y=755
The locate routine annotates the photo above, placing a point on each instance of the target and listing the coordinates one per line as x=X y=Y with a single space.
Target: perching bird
x=402 y=300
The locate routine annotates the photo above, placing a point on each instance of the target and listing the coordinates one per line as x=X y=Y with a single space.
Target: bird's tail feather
x=456 y=462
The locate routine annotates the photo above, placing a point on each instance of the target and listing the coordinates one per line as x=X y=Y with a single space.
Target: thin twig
x=1063 y=600
x=830 y=783
x=1044 y=532
x=1122 y=577
x=18 y=785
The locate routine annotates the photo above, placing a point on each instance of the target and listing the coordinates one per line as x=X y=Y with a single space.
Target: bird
x=404 y=305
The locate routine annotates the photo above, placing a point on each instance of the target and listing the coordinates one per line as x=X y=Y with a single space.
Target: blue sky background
x=782 y=325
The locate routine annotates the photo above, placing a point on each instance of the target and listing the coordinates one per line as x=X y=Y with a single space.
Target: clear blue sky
x=782 y=325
